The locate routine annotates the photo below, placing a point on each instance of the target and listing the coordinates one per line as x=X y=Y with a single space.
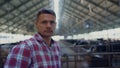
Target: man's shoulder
x=29 y=41
x=25 y=43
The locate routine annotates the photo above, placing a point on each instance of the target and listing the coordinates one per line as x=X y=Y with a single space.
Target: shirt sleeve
x=19 y=57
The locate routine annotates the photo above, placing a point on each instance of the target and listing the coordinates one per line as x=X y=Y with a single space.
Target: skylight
x=56 y=9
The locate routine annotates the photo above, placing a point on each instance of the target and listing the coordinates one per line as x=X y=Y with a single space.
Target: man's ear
x=36 y=22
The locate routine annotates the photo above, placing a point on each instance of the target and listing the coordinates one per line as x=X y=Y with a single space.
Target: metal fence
x=95 y=56
x=92 y=56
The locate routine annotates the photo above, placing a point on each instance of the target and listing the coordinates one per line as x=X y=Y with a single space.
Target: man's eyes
x=52 y=22
x=46 y=22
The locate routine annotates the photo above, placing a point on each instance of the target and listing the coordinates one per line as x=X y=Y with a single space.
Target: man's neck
x=47 y=40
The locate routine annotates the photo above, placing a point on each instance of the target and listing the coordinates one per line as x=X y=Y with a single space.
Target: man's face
x=46 y=24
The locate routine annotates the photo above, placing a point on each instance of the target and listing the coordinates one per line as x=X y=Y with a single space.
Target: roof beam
x=114 y=2
x=98 y=25
x=5 y=1
x=72 y=27
x=15 y=8
x=97 y=13
x=90 y=1
x=23 y=13
x=85 y=14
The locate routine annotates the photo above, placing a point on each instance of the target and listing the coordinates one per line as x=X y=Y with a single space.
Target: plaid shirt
x=34 y=53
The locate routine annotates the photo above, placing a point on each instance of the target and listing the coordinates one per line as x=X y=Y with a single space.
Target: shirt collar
x=40 y=39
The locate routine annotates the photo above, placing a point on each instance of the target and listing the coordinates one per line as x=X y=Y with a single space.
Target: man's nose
x=49 y=24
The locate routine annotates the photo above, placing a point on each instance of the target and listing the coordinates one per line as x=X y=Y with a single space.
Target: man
x=40 y=51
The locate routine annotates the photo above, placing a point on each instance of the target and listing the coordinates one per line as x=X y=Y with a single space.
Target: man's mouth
x=49 y=31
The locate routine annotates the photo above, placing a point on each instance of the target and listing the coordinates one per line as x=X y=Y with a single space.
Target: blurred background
x=88 y=31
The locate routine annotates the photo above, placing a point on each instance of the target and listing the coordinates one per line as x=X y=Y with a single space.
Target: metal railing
x=90 y=59
x=87 y=58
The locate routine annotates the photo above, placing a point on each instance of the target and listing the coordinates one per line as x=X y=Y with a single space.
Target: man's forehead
x=45 y=16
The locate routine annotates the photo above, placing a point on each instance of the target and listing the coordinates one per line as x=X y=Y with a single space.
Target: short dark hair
x=46 y=11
